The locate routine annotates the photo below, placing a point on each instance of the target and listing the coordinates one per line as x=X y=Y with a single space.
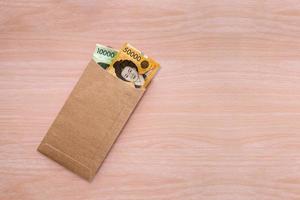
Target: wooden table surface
x=220 y=121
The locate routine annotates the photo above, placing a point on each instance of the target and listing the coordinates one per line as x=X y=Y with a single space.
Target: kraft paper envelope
x=90 y=121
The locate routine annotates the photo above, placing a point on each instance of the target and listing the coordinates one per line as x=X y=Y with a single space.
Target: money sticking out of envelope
x=128 y=64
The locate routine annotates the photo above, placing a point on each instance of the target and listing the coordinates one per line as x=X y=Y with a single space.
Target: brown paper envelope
x=90 y=121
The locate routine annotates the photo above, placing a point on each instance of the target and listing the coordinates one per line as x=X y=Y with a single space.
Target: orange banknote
x=133 y=67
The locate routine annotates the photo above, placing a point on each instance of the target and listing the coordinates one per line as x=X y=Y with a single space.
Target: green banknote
x=103 y=55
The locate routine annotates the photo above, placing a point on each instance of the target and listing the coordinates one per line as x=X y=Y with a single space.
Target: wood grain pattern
x=220 y=121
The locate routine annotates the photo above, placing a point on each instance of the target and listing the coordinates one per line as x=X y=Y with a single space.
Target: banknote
x=133 y=66
x=103 y=55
